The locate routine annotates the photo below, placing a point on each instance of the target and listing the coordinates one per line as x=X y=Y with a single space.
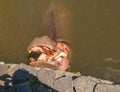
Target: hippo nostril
x=33 y=55
x=32 y=59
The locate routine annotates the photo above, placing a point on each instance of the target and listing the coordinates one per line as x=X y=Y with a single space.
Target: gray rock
x=64 y=84
x=30 y=69
x=12 y=68
x=83 y=84
x=97 y=80
x=117 y=88
x=3 y=69
x=107 y=88
x=31 y=79
x=91 y=84
x=63 y=73
x=2 y=83
x=1 y=62
x=46 y=76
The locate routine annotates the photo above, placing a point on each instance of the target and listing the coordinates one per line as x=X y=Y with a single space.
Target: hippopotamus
x=49 y=53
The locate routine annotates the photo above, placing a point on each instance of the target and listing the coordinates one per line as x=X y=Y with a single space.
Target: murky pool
x=94 y=33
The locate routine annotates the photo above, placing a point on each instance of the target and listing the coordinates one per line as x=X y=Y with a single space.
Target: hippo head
x=46 y=53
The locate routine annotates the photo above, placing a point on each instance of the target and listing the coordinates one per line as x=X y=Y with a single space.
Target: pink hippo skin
x=64 y=64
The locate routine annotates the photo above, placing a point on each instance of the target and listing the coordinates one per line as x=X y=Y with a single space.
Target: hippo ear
x=42 y=41
x=63 y=41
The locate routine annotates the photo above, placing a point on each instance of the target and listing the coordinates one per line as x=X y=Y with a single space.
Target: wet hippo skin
x=52 y=54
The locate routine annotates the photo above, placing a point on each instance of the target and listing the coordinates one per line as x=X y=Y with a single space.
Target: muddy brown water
x=94 y=33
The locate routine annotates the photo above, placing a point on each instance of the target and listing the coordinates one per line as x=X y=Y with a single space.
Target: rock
x=90 y=84
x=25 y=78
x=83 y=84
x=12 y=68
x=3 y=69
x=63 y=73
x=46 y=76
x=2 y=83
x=117 y=88
x=107 y=88
x=97 y=80
x=28 y=68
x=5 y=81
x=2 y=62
x=64 y=84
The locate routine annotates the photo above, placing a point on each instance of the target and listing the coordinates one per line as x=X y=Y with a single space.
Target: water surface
x=94 y=33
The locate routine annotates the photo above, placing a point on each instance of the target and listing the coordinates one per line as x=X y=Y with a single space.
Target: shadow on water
x=22 y=81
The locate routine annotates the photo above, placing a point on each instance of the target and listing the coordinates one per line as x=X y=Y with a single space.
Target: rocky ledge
x=25 y=78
